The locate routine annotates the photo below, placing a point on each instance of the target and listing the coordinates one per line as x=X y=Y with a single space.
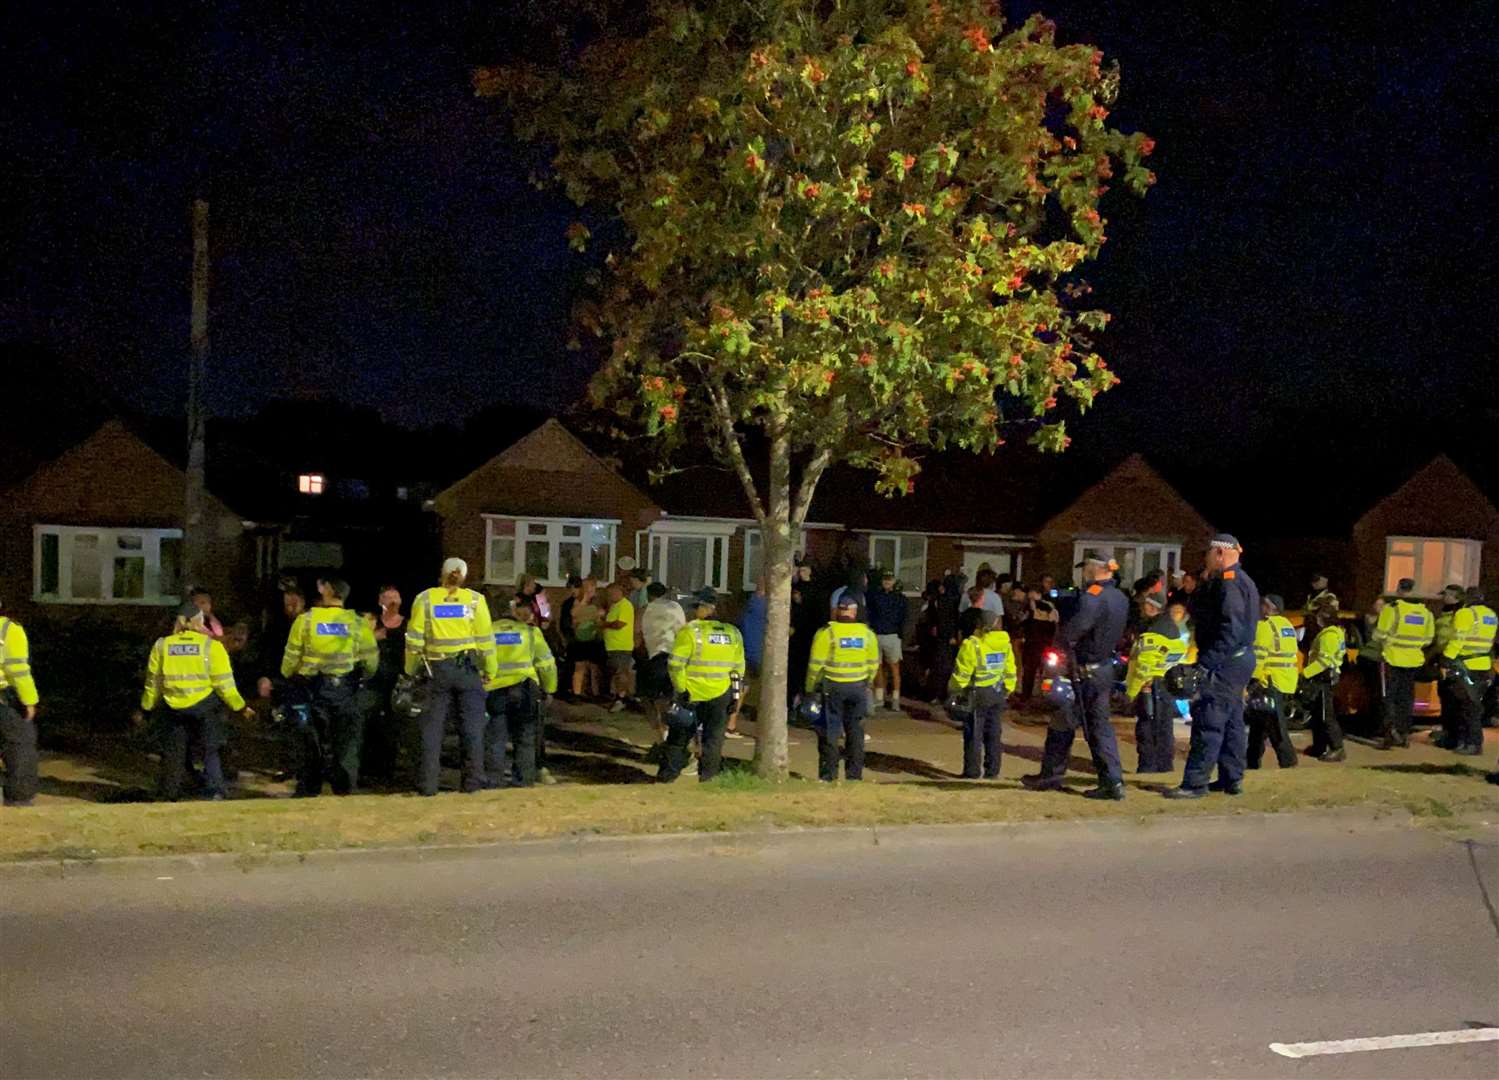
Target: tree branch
x=804 y=491
x=730 y=439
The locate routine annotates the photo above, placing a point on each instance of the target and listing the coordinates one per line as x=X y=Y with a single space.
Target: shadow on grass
x=587 y=758
x=1428 y=768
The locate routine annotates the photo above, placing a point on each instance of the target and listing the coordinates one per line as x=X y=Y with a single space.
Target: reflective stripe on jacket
x=1405 y=629
x=1327 y=653
x=1473 y=629
x=1275 y=653
x=185 y=668
x=329 y=641
x=984 y=660
x=15 y=662
x=521 y=654
x=447 y=623
x=843 y=652
x=704 y=658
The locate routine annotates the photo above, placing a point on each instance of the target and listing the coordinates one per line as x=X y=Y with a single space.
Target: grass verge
x=733 y=802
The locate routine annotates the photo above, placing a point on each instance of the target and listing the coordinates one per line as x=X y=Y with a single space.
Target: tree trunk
x=779 y=548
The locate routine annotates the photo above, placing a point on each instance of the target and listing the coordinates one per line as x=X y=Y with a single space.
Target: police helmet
x=811 y=709
x=680 y=713
x=409 y=697
x=959 y=707
x=1455 y=677
x=1184 y=681
x=1258 y=698
x=1056 y=690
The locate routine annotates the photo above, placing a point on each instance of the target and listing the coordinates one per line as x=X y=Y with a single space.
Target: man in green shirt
x=619 y=646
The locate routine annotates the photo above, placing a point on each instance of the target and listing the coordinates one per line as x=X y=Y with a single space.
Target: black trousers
x=1399 y=701
x=328 y=743
x=18 y=748
x=1465 y=728
x=1327 y=731
x=513 y=720
x=841 y=735
x=981 y=734
x=1272 y=726
x=1155 y=729
x=1218 y=735
x=382 y=732
x=944 y=658
x=1090 y=711
x=712 y=718
x=1371 y=719
x=458 y=689
x=197 y=726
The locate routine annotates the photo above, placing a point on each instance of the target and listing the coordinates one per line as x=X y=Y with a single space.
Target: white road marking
x=1386 y=1042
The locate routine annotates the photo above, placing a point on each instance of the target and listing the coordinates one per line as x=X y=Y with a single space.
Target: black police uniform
x=514 y=713
x=457 y=685
x=1225 y=609
x=1090 y=636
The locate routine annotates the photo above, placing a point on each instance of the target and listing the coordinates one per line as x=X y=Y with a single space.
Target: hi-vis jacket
x=1160 y=648
x=329 y=641
x=447 y=623
x=985 y=659
x=1275 y=653
x=185 y=668
x=521 y=655
x=704 y=657
x=15 y=662
x=1327 y=653
x=1405 y=629
x=1471 y=637
x=843 y=652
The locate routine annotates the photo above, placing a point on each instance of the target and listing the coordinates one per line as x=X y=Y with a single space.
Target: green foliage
x=853 y=224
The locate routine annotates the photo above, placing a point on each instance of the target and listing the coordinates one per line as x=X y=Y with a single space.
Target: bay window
x=686 y=556
x=548 y=549
x=86 y=565
x=1432 y=563
x=1135 y=559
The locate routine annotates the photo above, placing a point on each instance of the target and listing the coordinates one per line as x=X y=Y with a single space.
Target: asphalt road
x=1180 y=949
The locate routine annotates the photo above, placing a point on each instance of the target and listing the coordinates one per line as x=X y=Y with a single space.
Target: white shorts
x=890 y=652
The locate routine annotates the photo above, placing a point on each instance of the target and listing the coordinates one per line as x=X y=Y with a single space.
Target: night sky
x=1316 y=265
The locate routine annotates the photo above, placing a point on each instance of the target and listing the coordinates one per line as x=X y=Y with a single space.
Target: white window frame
x=1170 y=553
x=109 y=548
x=311 y=483
x=555 y=540
x=1470 y=577
x=715 y=536
x=752 y=543
x=901 y=539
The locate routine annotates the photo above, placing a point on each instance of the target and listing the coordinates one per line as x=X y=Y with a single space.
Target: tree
x=852 y=228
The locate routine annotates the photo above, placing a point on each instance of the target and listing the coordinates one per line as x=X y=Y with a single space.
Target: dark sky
x=1318 y=260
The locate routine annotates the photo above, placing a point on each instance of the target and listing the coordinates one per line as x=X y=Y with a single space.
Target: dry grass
x=736 y=802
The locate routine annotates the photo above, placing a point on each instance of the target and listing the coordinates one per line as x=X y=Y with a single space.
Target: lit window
x=83 y=565
x=548 y=549
x=1432 y=563
x=1135 y=560
x=310 y=483
x=904 y=555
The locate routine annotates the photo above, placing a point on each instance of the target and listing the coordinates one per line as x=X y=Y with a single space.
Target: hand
x=263 y=687
x=248 y=713
x=137 y=718
x=30 y=713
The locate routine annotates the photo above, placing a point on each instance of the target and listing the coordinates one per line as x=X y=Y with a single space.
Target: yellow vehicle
x=1352 y=697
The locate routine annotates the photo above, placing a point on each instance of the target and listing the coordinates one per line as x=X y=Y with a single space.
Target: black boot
x=1042 y=782
x=1187 y=793
x=1112 y=791
x=1471 y=750
x=1227 y=787
x=1333 y=755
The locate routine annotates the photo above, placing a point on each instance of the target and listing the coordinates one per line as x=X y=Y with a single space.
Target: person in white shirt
x=991 y=601
x=659 y=624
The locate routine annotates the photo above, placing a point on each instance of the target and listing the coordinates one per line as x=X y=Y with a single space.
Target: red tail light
x=1053 y=658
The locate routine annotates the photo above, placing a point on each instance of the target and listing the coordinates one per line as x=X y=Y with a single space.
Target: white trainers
x=895 y=703
x=618 y=706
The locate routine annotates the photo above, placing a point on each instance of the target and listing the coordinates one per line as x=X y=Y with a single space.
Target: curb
x=666 y=845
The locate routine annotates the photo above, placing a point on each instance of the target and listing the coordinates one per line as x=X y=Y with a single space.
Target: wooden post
x=194 y=529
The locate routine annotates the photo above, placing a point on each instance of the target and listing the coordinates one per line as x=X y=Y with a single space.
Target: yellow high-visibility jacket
x=1327 y=653
x=446 y=623
x=521 y=654
x=1405 y=629
x=1160 y=648
x=1275 y=653
x=15 y=662
x=985 y=659
x=843 y=652
x=184 y=669
x=1472 y=638
x=329 y=641
x=704 y=658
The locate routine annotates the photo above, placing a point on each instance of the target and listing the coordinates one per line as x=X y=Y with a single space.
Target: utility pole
x=194 y=531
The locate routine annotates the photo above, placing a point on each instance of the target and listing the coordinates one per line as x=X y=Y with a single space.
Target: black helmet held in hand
x=1185 y=682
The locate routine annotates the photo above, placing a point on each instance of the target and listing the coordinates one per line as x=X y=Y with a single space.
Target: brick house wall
x=549 y=473
x=1134 y=503
x=1438 y=501
x=113 y=479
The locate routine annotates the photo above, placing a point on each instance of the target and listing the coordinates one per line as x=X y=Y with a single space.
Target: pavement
x=1119 y=950
x=590 y=745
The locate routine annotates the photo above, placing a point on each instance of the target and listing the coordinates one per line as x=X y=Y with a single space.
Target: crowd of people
x=360 y=695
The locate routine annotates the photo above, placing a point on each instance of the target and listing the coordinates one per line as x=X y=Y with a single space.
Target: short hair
x=984 y=579
x=655 y=590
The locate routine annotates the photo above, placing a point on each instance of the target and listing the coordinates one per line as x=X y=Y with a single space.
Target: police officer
x=526 y=673
x=451 y=640
x=1161 y=645
x=327 y=647
x=706 y=667
x=1467 y=663
x=986 y=671
x=1324 y=664
x=844 y=659
x=1319 y=591
x=1405 y=629
x=1090 y=638
x=186 y=670
x=1225 y=610
x=1275 y=674
x=18 y=701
